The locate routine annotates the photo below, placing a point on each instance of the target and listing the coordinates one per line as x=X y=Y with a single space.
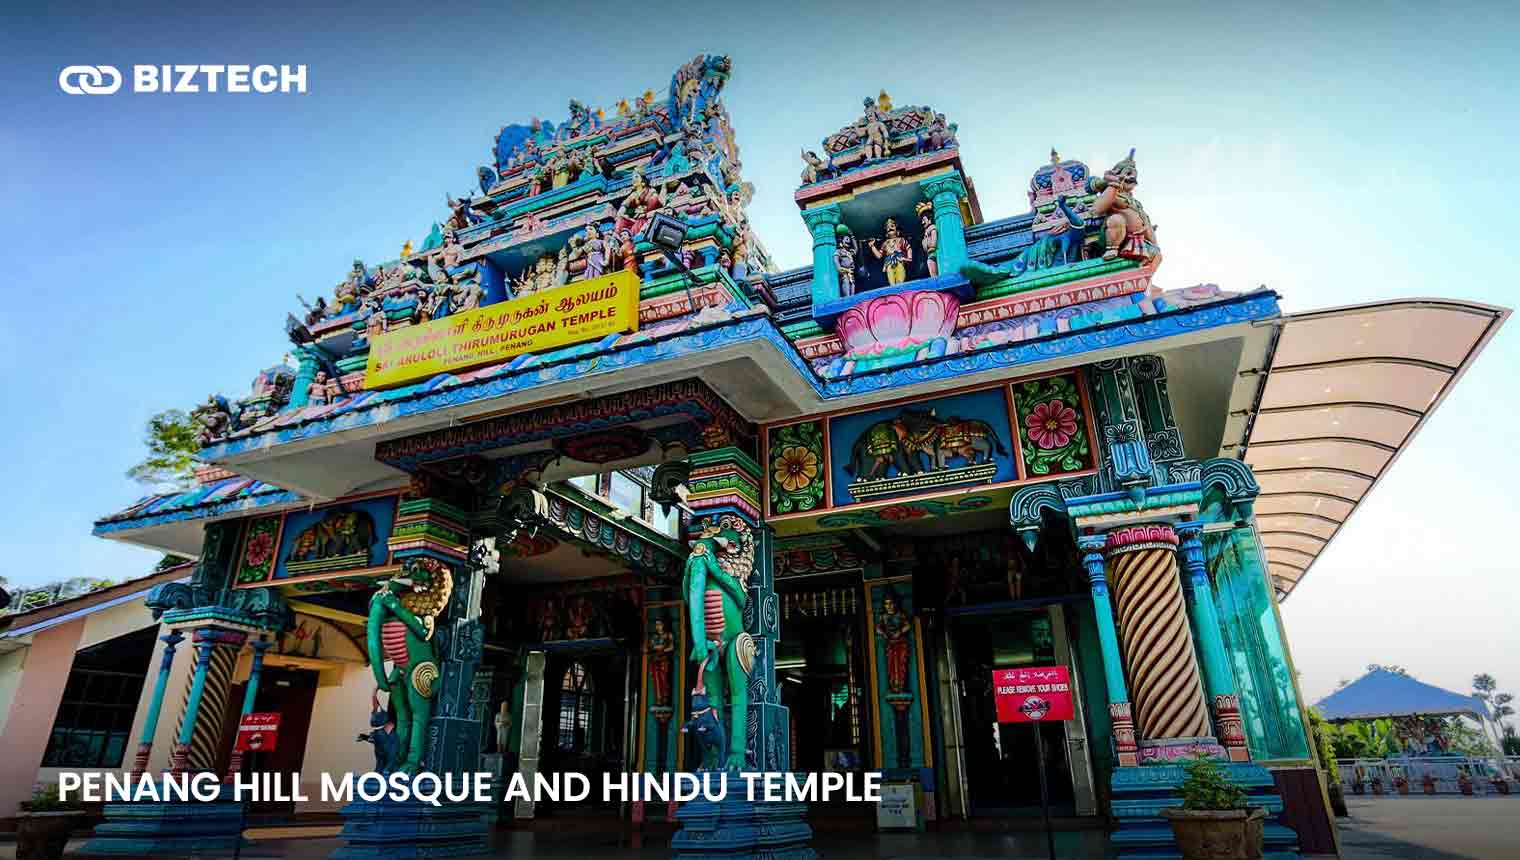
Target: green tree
x=172 y=446
x=169 y=560
x=1391 y=667
x=1500 y=709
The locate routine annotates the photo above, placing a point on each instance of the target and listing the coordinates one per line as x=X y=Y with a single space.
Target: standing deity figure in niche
x=503 y=723
x=1127 y=230
x=894 y=252
x=627 y=251
x=894 y=628
x=402 y=615
x=930 y=242
x=845 y=251
x=718 y=570
x=873 y=126
x=638 y=207
x=662 y=647
x=316 y=392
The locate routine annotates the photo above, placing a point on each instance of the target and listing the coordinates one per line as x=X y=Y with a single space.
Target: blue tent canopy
x=1381 y=693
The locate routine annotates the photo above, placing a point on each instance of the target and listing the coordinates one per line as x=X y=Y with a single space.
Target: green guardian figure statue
x=717 y=573
x=400 y=630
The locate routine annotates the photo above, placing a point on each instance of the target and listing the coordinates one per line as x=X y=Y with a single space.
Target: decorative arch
x=1026 y=510
x=1229 y=488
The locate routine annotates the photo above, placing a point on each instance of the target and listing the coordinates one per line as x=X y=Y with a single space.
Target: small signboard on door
x=258 y=732
x=1035 y=694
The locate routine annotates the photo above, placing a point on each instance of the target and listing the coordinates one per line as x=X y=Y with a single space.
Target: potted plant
x=1464 y=783
x=1214 y=822
x=1401 y=784
x=1501 y=784
x=44 y=823
x=1428 y=783
x=1377 y=785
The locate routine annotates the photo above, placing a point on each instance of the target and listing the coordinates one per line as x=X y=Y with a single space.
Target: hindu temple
x=584 y=482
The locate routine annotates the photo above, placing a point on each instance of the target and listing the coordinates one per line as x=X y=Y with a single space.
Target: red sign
x=258 y=732
x=1038 y=694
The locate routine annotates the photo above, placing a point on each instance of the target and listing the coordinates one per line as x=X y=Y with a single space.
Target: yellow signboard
x=574 y=313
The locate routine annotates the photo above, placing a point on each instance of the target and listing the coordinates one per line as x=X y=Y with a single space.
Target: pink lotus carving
x=897 y=321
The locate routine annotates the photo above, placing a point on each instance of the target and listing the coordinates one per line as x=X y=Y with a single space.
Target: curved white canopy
x=1345 y=391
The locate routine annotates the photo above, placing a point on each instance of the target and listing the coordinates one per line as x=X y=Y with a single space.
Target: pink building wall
x=48 y=662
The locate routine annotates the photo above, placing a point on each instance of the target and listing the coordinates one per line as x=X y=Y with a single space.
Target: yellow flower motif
x=796 y=467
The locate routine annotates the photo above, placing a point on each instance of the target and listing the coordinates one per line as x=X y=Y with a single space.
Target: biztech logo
x=206 y=78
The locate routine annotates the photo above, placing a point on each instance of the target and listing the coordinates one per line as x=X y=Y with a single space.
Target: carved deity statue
x=894 y=252
x=894 y=627
x=873 y=127
x=662 y=647
x=1127 y=230
x=930 y=242
x=845 y=251
x=718 y=570
x=638 y=207
x=402 y=615
x=813 y=166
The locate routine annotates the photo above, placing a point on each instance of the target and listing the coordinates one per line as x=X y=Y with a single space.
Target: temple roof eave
x=330 y=457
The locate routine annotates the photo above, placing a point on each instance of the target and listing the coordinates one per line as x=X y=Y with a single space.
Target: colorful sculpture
x=381 y=735
x=1127 y=230
x=930 y=241
x=845 y=251
x=894 y=252
x=894 y=627
x=402 y=615
x=718 y=569
x=662 y=646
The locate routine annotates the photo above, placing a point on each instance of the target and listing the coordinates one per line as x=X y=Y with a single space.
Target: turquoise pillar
x=252 y=692
x=823 y=221
x=1120 y=712
x=250 y=695
x=203 y=648
x=306 y=372
x=945 y=192
x=1218 y=679
x=171 y=641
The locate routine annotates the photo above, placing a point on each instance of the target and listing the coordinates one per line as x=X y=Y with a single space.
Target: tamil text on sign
x=1032 y=694
x=559 y=317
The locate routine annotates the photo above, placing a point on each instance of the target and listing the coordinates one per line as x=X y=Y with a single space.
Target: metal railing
x=1370 y=776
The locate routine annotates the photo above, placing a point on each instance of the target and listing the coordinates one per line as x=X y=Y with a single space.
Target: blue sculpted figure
x=382 y=736
x=708 y=728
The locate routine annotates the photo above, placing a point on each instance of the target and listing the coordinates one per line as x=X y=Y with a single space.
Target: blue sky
x=1335 y=155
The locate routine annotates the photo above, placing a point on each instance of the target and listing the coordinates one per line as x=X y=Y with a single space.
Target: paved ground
x=1405 y=828
x=1432 y=828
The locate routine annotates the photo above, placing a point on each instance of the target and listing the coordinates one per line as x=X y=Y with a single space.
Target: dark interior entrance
x=289 y=692
x=584 y=720
x=1001 y=771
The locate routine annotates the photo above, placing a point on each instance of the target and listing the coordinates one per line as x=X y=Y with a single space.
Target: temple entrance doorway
x=290 y=692
x=585 y=721
x=821 y=666
x=1002 y=776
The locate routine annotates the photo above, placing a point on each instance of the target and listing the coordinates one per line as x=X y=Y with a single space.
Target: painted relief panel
x=1052 y=425
x=256 y=562
x=949 y=442
x=345 y=536
x=797 y=477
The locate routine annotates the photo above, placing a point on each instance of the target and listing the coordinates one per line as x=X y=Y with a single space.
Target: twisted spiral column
x=205 y=702
x=1155 y=638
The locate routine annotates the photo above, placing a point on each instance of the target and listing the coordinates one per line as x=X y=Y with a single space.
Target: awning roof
x=1381 y=693
x=1344 y=392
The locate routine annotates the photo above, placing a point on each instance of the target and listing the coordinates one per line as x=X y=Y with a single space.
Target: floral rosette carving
x=796 y=467
x=897 y=323
x=259 y=550
x=1052 y=427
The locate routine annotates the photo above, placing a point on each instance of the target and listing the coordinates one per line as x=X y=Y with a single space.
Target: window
x=99 y=703
x=576 y=695
x=626 y=494
x=585 y=483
